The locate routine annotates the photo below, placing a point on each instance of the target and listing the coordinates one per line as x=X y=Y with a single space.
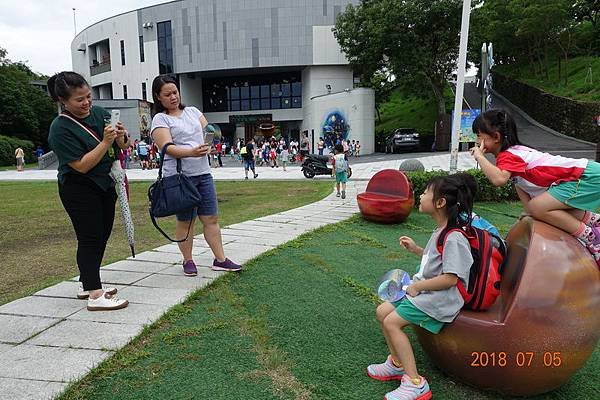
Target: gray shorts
x=208 y=205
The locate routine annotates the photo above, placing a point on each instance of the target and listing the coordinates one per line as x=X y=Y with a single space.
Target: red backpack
x=488 y=254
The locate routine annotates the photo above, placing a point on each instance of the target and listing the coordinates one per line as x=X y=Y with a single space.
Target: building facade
x=249 y=65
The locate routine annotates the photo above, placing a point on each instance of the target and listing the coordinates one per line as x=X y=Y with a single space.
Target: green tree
x=415 y=41
x=25 y=111
x=587 y=13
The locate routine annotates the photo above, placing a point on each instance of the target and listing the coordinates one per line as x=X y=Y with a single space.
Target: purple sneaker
x=226 y=265
x=189 y=268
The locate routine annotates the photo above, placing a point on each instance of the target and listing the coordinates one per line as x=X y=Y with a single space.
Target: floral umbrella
x=118 y=175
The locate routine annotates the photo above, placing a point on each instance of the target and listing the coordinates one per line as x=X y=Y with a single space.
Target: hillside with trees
x=25 y=111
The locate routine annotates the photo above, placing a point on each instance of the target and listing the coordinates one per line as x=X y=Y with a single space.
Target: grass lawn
x=577 y=88
x=298 y=323
x=38 y=245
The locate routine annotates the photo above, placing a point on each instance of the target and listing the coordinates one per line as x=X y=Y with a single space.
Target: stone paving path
x=49 y=339
x=430 y=161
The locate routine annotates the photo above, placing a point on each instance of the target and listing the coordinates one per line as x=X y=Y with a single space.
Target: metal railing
x=98 y=68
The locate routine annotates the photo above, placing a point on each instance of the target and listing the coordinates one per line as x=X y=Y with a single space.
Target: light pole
x=460 y=83
x=74 y=23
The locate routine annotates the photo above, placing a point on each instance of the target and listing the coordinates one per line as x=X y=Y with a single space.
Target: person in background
x=247 y=153
x=173 y=122
x=142 y=150
x=358 y=148
x=340 y=170
x=219 y=150
x=321 y=146
x=285 y=154
x=39 y=152
x=86 y=147
x=20 y=158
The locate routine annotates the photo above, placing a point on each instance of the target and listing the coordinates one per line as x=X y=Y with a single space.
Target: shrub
x=487 y=191
x=8 y=145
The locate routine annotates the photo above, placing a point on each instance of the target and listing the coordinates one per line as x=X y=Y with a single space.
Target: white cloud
x=40 y=32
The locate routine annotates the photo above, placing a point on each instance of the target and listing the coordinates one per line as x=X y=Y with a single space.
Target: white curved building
x=242 y=62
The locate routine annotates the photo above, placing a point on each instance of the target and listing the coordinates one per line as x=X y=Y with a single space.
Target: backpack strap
x=444 y=235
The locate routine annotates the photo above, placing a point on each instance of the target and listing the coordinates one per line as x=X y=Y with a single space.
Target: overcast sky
x=39 y=32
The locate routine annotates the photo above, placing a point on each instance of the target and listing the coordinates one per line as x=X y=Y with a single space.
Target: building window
x=122 y=52
x=144 y=93
x=125 y=91
x=142 y=57
x=254 y=92
x=165 y=47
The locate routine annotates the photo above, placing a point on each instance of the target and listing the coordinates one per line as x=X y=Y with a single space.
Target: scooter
x=317 y=165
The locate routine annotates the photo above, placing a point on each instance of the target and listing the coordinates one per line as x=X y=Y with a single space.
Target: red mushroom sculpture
x=388 y=199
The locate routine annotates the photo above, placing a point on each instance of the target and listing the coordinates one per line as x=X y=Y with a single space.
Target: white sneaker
x=84 y=294
x=106 y=302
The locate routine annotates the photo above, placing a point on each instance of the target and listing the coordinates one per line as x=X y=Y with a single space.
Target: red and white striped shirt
x=534 y=171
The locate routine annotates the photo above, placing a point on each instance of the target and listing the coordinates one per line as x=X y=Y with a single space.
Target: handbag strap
x=167 y=236
x=163 y=152
x=85 y=128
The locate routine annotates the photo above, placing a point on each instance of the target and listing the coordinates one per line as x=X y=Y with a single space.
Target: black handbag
x=171 y=195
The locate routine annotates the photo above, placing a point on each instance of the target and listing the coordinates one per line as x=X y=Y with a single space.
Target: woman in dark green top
x=82 y=141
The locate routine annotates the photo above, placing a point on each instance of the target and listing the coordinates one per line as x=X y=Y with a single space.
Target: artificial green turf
x=298 y=323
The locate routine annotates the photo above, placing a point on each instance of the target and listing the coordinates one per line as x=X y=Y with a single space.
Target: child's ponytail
x=458 y=190
x=498 y=121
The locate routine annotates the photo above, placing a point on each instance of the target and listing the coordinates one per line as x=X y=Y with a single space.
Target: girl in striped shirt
x=561 y=191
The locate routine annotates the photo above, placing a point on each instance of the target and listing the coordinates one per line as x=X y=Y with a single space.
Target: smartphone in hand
x=115 y=116
x=209 y=137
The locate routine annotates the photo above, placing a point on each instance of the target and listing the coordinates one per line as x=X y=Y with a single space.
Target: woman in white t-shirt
x=174 y=122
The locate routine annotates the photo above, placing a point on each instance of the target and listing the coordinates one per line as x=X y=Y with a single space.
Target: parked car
x=402 y=138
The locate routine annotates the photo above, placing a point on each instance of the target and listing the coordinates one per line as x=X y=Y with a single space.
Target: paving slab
x=43 y=306
x=173 y=248
x=262 y=236
x=203 y=272
x=17 y=329
x=160 y=296
x=87 y=335
x=134 y=314
x=111 y=277
x=235 y=248
x=174 y=282
x=56 y=364
x=66 y=289
x=244 y=232
x=170 y=258
x=271 y=241
x=24 y=389
x=136 y=266
x=5 y=347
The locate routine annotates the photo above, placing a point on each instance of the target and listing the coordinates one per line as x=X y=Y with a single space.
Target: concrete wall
x=126 y=27
x=326 y=49
x=569 y=117
x=357 y=106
